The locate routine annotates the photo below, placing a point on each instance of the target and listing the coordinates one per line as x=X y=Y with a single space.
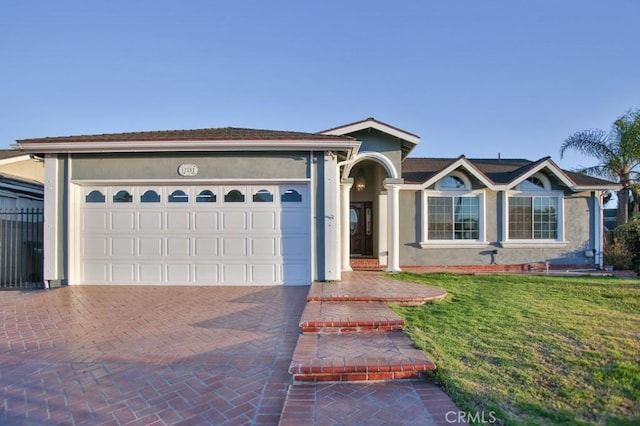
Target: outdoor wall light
x=589 y=253
x=360 y=181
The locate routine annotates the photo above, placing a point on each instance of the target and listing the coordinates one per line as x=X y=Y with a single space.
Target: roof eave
x=349 y=146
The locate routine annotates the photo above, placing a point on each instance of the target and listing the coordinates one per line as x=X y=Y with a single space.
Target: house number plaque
x=188 y=170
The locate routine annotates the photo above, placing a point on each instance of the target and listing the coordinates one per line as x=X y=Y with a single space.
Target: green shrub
x=628 y=235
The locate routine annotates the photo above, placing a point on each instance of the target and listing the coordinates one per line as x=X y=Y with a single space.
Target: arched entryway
x=366 y=231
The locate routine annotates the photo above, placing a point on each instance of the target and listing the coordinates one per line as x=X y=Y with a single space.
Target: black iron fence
x=21 y=248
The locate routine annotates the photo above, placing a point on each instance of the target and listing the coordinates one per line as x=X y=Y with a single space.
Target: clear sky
x=473 y=77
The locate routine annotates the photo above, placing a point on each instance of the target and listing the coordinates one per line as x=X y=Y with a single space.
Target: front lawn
x=534 y=349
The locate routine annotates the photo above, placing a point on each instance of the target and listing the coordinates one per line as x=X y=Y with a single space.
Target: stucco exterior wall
x=374 y=141
x=578 y=235
x=27 y=169
x=210 y=166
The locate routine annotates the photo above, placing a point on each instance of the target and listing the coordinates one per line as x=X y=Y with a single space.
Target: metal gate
x=21 y=248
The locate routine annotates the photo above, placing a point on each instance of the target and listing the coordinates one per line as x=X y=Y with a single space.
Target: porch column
x=393 y=219
x=345 y=233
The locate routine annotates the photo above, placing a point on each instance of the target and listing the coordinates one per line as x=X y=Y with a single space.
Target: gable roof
x=497 y=174
x=188 y=140
x=408 y=140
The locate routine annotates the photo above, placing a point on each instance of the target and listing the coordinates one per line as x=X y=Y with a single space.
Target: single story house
x=245 y=206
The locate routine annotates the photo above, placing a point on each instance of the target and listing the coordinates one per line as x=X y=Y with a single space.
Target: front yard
x=526 y=349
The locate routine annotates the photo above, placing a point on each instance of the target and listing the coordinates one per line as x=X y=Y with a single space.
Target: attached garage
x=256 y=234
x=217 y=206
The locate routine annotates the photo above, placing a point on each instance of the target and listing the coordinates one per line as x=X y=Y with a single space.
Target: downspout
x=599 y=229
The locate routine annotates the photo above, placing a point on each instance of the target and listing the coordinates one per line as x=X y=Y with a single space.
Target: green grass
x=534 y=349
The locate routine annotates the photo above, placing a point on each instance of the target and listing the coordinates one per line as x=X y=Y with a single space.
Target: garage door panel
x=264 y=274
x=178 y=273
x=234 y=247
x=205 y=221
x=264 y=247
x=150 y=221
x=123 y=221
x=294 y=272
x=94 y=221
x=123 y=273
x=95 y=272
x=151 y=273
x=264 y=221
x=234 y=273
x=295 y=247
x=122 y=246
x=178 y=247
x=205 y=247
x=291 y=222
x=178 y=221
x=95 y=247
x=234 y=221
x=150 y=247
x=206 y=273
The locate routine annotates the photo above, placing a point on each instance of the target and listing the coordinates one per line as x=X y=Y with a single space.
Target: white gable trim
x=546 y=164
x=373 y=124
x=461 y=162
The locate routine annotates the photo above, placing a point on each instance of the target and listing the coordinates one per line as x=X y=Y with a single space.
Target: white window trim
x=521 y=243
x=482 y=238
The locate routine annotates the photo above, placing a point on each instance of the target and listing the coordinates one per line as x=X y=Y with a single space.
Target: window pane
x=150 y=196
x=234 y=196
x=545 y=221
x=94 y=197
x=452 y=182
x=520 y=226
x=178 y=196
x=291 y=196
x=206 y=196
x=440 y=220
x=467 y=218
x=123 y=197
x=263 y=196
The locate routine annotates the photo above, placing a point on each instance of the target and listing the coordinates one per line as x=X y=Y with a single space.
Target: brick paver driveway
x=147 y=355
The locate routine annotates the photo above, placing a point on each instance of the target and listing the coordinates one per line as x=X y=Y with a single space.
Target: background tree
x=618 y=153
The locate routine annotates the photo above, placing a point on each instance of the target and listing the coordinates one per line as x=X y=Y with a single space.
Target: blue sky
x=470 y=77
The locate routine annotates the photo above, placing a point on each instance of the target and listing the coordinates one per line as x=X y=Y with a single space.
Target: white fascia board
x=189 y=145
x=23 y=157
x=462 y=162
x=367 y=124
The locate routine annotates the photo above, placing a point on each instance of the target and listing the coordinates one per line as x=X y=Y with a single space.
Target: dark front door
x=361 y=227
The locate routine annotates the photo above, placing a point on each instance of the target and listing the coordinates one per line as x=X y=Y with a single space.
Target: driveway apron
x=138 y=355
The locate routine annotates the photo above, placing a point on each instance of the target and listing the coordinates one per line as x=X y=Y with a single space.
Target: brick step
x=329 y=317
x=357 y=357
x=374 y=290
x=365 y=264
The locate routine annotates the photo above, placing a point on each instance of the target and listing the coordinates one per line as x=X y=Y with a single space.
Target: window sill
x=533 y=243
x=453 y=244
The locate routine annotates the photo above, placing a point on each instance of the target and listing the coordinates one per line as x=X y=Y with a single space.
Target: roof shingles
x=223 y=133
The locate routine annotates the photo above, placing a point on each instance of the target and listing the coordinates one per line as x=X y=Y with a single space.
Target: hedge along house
x=242 y=206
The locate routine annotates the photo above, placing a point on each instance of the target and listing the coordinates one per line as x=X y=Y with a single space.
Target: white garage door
x=251 y=234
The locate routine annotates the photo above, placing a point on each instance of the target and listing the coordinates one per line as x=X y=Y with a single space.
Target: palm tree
x=618 y=153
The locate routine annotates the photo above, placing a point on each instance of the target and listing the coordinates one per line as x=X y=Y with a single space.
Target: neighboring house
x=243 y=206
x=20 y=181
x=19 y=164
